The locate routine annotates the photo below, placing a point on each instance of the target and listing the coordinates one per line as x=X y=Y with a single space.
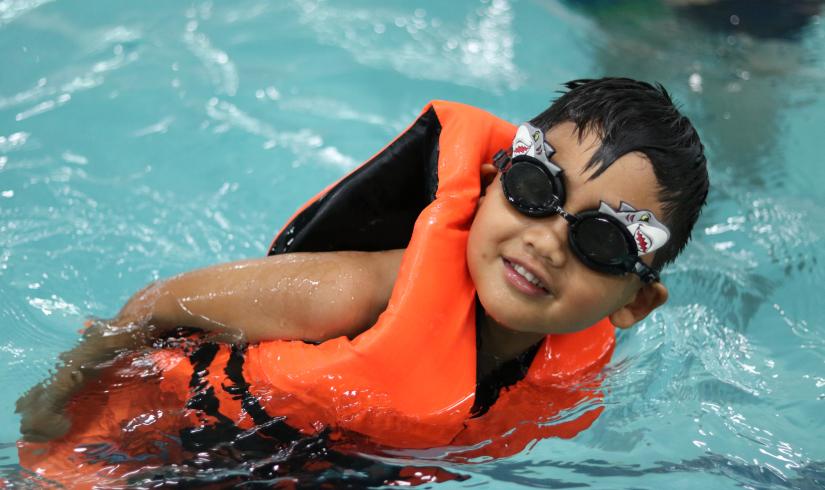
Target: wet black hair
x=634 y=116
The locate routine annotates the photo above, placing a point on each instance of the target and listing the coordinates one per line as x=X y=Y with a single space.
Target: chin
x=514 y=323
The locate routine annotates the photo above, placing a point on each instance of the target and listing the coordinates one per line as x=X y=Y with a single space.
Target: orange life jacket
x=407 y=382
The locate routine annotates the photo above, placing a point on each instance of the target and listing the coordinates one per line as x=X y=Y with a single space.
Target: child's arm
x=307 y=296
x=312 y=296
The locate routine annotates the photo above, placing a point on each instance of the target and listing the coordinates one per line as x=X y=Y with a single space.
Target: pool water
x=140 y=140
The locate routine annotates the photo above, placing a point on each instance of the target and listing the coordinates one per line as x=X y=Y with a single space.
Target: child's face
x=573 y=296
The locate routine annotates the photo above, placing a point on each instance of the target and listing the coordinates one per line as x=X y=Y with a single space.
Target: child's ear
x=647 y=298
x=488 y=174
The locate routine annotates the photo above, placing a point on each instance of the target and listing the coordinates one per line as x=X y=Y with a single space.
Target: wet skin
x=571 y=296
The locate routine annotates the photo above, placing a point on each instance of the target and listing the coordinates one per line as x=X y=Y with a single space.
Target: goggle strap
x=570 y=218
x=501 y=159
x=645 y=273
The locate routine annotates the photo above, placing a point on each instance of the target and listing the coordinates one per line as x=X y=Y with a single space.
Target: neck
x=498 y=344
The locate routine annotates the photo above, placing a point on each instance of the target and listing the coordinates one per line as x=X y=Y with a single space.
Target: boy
x=547 y=250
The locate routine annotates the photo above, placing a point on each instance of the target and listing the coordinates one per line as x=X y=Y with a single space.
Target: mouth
x=524 y=279
x=642 y=241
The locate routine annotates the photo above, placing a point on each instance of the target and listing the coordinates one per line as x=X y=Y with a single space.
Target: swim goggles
x=604 y=239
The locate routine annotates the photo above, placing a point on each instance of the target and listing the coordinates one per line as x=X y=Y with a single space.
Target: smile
x=523 y=279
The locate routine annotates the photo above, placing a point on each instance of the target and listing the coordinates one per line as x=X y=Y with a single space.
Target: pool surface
x=140 y=140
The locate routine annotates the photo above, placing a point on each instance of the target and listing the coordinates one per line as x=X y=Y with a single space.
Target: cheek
x=482 y=232
x=486 y=235
x=478 y=250
x=592 y=296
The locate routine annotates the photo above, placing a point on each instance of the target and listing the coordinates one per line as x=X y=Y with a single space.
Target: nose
x=547 y=239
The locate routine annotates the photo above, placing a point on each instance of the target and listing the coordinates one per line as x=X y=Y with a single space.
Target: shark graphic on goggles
x=650 y=234
x=530 y=141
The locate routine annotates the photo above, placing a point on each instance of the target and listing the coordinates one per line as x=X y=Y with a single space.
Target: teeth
x=528 y=275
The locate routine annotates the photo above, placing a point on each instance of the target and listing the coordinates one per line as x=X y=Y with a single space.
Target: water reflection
x=739 y=89
x=764 y=19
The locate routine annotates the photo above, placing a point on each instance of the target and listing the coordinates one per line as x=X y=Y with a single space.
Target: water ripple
x=725 y=354
x=59 y=92
x=480 y=53
x=594 y=472
x=12 y=142
x=305 y=144
x=222 y=70
x=330 y=108
x=789 y=231
x=13 y=9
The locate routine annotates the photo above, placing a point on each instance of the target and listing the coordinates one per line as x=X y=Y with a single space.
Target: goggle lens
x=600 y=241
x=529 y=185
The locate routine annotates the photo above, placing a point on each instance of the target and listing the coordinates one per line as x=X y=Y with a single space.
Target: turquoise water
x=139 y=140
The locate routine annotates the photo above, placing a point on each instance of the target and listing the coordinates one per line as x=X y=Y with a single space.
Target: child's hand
x=103 y=340
x=42 y=406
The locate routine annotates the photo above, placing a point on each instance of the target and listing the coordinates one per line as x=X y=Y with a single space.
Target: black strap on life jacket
x=220 y=429
x=216 y=429
x=273 y=427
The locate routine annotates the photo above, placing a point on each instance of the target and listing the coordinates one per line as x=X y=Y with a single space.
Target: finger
x=46 y=428
x=29 y=399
